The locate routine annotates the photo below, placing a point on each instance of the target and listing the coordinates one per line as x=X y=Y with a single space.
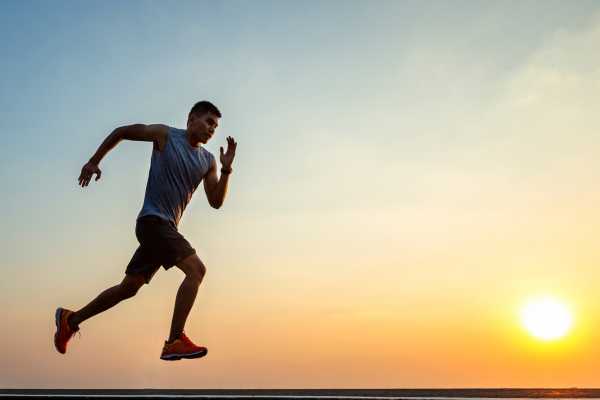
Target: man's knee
x=131 y=284
x=193 y=267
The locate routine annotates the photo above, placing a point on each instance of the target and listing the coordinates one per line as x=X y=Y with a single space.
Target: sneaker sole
x=176 y=356
x=57 y=322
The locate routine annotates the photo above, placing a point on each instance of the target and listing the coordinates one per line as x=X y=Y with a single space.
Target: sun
x=546 y=318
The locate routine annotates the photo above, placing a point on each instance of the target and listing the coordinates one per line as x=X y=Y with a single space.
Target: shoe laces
x=185 y=339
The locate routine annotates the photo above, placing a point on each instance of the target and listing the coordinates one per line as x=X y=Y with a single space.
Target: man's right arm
x=156 y=133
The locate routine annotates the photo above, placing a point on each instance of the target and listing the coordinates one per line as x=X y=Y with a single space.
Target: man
x=179 y=163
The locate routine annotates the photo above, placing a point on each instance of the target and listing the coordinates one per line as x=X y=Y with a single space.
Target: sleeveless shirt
x=175 y=173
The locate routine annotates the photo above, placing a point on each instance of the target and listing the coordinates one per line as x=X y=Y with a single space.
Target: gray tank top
x=175 y=173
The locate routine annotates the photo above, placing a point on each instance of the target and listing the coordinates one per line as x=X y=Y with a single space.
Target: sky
x=408 y=174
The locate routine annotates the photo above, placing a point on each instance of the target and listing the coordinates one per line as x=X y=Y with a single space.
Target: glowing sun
x=546 y=318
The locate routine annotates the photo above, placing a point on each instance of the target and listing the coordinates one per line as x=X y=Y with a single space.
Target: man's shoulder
x=206 y=152
x=157 y=128
x=175 y=129
x=172 y=132
x=160 y=134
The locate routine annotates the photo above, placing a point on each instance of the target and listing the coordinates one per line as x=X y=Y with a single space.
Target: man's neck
x=191 y=140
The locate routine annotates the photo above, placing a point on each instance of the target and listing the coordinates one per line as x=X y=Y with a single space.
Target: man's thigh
x=145 y=262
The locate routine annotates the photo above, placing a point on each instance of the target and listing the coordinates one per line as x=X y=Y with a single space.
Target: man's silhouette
x=179 y=163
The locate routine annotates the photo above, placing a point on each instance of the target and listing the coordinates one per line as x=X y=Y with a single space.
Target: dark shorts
x=160 y=245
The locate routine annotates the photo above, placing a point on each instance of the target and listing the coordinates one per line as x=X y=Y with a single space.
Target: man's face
x=203 y=126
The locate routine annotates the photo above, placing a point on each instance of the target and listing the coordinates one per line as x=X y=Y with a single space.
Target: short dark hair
x=203 y=107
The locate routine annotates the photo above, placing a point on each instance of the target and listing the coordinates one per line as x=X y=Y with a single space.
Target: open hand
x=227 y=157
x=87 y=171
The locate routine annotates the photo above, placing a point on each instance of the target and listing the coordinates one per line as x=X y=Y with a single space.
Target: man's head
x=203 y=119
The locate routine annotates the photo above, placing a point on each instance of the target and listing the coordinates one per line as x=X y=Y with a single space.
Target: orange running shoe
x=182 y=347
x=63 y=331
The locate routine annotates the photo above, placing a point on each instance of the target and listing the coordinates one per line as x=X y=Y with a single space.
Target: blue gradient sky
x=400 y=164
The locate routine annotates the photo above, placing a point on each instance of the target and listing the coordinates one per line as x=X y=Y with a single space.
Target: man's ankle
x=172 y=339
x=73 y=324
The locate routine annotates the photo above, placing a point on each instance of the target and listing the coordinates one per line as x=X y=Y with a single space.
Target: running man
x=179 y=163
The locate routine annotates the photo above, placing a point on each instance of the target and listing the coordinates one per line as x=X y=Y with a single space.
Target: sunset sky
x=408 y=175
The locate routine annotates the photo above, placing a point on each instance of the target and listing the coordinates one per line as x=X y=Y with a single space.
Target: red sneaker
x=63 y=331
x=182 y=348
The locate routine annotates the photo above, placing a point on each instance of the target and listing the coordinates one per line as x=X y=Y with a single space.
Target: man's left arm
x=216 y=188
